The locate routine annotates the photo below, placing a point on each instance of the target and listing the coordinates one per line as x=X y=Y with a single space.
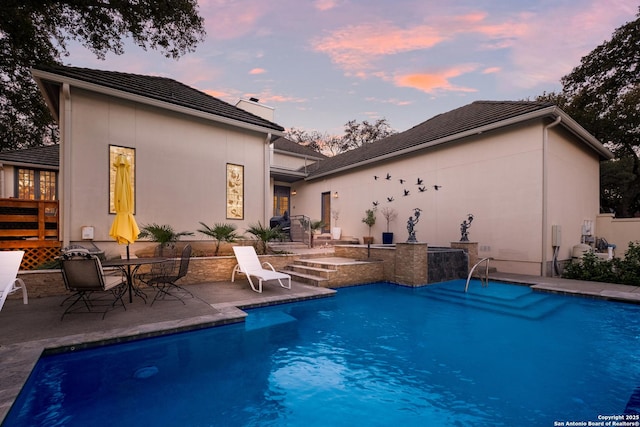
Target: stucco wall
x=618 y=231
x=495 y=176
x=180 y=165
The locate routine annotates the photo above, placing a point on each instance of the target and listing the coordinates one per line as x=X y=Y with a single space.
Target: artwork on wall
x=235 y=191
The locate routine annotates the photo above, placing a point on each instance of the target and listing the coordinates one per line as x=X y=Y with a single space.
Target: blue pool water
x=374 y=355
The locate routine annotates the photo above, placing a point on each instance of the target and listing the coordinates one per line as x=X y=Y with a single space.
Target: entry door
x=325 y=215
x=281 y=197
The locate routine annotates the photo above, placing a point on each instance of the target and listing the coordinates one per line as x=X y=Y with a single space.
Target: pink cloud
x=491 y=70
x=435 y=82
x=324 y=5
x=256 y=71
x=354 y=48
x=226 y=20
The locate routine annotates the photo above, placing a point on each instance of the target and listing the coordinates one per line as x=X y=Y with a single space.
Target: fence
x=31 y=226
x=618 y=231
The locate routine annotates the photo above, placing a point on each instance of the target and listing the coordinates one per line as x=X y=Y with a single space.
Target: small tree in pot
x=389 y=215
x=370 y=220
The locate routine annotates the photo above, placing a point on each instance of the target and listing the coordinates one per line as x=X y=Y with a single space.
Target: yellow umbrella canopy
x=124 y=228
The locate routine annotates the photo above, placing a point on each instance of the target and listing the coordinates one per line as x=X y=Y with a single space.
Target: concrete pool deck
x=28 y=330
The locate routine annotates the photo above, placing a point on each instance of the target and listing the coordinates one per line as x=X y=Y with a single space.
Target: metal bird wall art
x=390 y=199
x=422 y=189
x=419 y=182
x=388 y=177
x=406 y=192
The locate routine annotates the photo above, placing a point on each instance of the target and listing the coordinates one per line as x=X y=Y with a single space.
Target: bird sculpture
x=437 y=187
x=422 y=189
x=375 y=204
x=375 y=177
x=388 y=176
x=402 y=181
x=389 y=199
x=419 y=182
x=406 y=192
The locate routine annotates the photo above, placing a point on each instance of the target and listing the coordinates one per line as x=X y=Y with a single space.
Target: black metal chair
x=163 y=277
x=93 y=289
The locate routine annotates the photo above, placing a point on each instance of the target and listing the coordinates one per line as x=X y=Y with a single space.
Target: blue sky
x=321 y=63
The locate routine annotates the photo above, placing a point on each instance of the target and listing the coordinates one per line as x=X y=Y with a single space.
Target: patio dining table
x=129 y=267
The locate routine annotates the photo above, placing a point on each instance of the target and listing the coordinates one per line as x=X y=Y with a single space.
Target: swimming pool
x=372 y=355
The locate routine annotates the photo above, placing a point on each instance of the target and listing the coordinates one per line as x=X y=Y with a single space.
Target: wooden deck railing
x=32 y=226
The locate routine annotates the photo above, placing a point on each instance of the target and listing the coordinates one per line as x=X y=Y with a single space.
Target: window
x=35 y=184
x=114 y=152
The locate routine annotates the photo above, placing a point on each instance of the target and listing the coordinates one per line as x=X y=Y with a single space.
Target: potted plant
x=370 y=220
x=335 y=231
x=389 y=215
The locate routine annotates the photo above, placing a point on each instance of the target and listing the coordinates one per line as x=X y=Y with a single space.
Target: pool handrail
x=485 y=281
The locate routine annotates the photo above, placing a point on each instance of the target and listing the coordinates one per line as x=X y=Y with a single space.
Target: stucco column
x=471 y=248
x=411 y=264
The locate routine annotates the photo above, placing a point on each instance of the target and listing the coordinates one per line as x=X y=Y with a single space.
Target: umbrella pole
x=129 y=278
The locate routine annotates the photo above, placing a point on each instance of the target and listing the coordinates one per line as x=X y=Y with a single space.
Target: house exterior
x=526 y=171
x=195 y=158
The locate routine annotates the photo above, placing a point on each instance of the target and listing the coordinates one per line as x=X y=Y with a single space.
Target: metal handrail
x=302 y=223
x=484 y=282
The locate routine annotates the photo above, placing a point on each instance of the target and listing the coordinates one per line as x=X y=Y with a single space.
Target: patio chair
x=93 y=289
x=249 y=264
x=9 y=281
x=163 y=277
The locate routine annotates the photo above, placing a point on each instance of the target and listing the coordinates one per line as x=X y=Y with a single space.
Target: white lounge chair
x=9 y=281
x=249 y=264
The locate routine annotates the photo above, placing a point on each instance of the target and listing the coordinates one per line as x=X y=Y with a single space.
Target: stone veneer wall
x=386 y=254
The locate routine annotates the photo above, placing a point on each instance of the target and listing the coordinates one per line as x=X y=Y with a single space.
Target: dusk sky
x=321 y=63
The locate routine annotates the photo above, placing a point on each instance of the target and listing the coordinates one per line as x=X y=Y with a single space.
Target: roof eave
x=43 y=76
x=552 y=111
x=292 y=154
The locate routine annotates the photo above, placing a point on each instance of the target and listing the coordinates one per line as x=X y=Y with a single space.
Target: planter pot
x=387 y=238
x=336 y=232
x=367 y=240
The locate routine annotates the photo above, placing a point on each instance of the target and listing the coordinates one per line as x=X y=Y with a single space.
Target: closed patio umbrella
x=124 y=228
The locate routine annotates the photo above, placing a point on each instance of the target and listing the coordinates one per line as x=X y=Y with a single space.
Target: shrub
x=623 y=271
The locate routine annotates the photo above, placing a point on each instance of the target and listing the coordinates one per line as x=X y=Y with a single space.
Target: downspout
x=545 y=185
x=267 y=177
x=66 y=166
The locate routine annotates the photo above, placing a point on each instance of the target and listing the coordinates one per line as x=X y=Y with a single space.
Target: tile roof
x=284 y=144
x=469 y=117
x=46 y=156
x=162 y=89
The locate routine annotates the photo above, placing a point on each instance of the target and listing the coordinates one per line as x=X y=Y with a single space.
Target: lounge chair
x=163 y=277
x=82 y=273
x=249 y=264
x=9 y=281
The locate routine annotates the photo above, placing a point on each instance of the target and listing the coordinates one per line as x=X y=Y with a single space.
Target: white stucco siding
x=497 y=177
x=574 y=183
x=180 y=165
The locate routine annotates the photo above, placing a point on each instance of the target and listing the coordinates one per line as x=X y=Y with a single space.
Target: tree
x=220 y=233
x=603 y=95
x=355 y=135
x=36 y=32
x=358 y=134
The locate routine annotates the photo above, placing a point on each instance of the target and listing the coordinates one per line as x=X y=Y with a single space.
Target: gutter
x=545 y=190
x=267 y=178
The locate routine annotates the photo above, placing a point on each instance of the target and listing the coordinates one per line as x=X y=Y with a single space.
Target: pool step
x=529 y=305
x=310 y=273
x=261 y=319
